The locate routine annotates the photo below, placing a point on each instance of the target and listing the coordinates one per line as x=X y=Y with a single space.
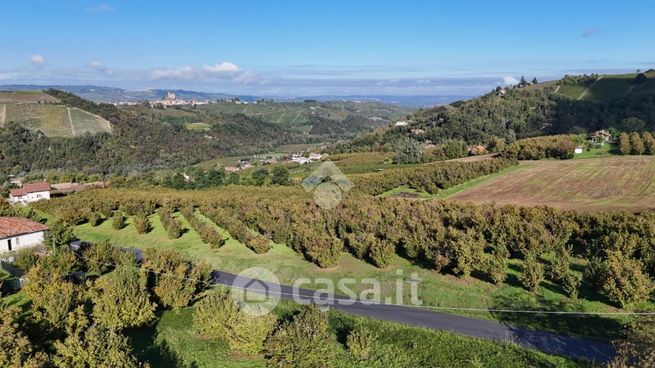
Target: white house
x=30 y=193
x=401 y=123
x=578 y=150
x=17 y=233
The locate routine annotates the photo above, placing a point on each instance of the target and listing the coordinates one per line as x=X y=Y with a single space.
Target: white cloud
x=37 y=60
x=101 y=8
x=183 y=72
x=100 y=67
x=7 y=75
x=510 y=81
x=224 y=67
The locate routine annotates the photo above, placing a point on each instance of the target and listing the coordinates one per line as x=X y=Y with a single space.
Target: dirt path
x=556 y=89
x=588 y=88
x=70 y=120
x=3 y=114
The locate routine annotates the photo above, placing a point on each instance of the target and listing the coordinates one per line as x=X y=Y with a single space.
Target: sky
x=303 y=48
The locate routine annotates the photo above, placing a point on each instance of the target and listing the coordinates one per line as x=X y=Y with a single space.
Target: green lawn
x=87 y=122
x=436 y=290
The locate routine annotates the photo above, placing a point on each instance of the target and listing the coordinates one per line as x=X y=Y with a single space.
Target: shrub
x=217 y=316
x=141 y=223
x=118 y=220
x=533 y=273
x=305 y=342
x=25 y=259
x=360 y=342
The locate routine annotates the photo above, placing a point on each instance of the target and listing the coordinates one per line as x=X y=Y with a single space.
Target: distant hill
x=573 y=104
x=112 y=94
x=44 y=113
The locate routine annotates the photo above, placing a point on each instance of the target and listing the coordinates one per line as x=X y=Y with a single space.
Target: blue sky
x=298 y=48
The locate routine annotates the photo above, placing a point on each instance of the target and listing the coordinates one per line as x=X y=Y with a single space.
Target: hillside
x=38 y=111
x=573 y=104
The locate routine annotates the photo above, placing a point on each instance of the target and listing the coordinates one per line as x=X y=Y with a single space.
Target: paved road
x=551 y=343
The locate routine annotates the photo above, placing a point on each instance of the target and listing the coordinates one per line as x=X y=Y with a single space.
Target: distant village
x=171 y=100
x=297 y=158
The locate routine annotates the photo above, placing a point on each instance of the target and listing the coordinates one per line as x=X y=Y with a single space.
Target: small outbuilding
x=17 y=233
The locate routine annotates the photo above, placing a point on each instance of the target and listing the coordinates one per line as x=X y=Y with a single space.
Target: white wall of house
x=30 y=197
x=21 y=241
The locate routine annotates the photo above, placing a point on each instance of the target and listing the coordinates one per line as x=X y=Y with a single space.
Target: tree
x=94 y=345
x=52 y=297
x=141 y=223
x=217 y=316
x=409 y=152
x=15 y=348
x=280 y=176
x=523 y=81
x=633 y=124
x=623 y=280
x=533 y=273
x=25 y=259
x=559 y=265
x=637 y=347
x=58 y=235
x=641 y=78
x=649 y=143
x=624 y=144
x=176 y=279
x=259 y=176
x=534 y=80
x=100 y=257
x=118 y=220
x=636 y=144
x=305 y=342
x=120 y=299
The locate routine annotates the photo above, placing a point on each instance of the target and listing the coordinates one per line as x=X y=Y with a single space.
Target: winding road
x=546 y=342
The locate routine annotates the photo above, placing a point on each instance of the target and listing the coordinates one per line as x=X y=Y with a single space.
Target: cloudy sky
x=295 y=48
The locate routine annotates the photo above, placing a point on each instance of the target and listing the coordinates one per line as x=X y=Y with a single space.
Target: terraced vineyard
x=42 y=112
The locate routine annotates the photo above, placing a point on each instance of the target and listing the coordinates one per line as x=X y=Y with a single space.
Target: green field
x=610 y=86
x=436 y=290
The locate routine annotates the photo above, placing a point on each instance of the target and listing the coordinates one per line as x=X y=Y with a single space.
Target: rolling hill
x=42 y=112
x=573 y=104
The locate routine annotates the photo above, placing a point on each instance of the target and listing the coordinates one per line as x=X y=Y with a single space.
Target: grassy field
x=611 y=86
x=53 y=120
x=84 y=122
x=436 y=290
x=593 y=184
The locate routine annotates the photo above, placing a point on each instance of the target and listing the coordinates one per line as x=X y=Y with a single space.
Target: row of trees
x=618 y=249
x=637 y=144
x=207 y=232
x=429 y=177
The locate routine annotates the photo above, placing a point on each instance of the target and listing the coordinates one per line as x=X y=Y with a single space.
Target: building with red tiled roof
x=30 y=193
x=17 y=233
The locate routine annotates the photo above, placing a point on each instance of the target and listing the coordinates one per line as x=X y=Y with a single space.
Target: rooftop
x=30 y=188
x=13 y=226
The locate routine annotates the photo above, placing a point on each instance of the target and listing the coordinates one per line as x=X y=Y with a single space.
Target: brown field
x=25 y=97
x=596 y=184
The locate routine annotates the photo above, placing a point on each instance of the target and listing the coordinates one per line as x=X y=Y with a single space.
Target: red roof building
x=30 y=193
x=16 y=233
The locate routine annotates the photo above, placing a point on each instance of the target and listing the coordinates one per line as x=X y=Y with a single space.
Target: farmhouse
x=578 y=150
x=30 y=193
x=601 y=136
x=401 y=123
x=17 y=233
